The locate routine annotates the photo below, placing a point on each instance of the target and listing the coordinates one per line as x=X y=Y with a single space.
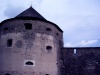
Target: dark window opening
x=57 y=34
x=5 y=28
x=29 y=63
x=7 y=74
x=48 y=29
x=46 y=74
x=9 y=42
x=49 y=48
x=28 y=26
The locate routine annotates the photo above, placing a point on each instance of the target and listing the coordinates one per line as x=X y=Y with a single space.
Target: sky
x=79 y=19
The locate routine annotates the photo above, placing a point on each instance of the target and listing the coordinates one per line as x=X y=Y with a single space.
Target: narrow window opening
x=28 y=26
x=9 y=42
x=29 y=63
x=46 y=74
x=48 y=29
x=7 y=74
x=74 y=51
x=48 y=47
x=57 y=34
x=5 y=28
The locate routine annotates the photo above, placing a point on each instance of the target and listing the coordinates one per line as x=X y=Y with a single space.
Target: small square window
x=48 y=29
x=57 y=34
x=46 y=74
x=9 y=42
x=28 y=26
x=5 y=28
x=7 y=74
x=48 y=47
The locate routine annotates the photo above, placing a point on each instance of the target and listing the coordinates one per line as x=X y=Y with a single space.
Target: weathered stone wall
x=38 y=45
x=17 y=26
x=81 y=61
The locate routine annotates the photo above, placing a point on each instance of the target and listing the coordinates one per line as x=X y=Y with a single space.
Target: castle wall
x=81 y=61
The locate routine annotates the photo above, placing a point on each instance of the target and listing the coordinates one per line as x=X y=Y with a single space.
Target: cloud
x=82 y=21
x=14 y=7
x=84 y=43
x=69 y=45
x=87 y=43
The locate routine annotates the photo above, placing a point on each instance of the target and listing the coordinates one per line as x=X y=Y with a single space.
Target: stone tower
x=30 y=45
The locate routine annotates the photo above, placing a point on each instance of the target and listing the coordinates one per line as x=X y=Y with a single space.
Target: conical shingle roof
x=30 y=12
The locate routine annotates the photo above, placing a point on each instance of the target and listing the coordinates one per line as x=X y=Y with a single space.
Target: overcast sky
x=79 y=19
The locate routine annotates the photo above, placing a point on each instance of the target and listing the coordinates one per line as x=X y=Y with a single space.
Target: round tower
x=30 y=45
